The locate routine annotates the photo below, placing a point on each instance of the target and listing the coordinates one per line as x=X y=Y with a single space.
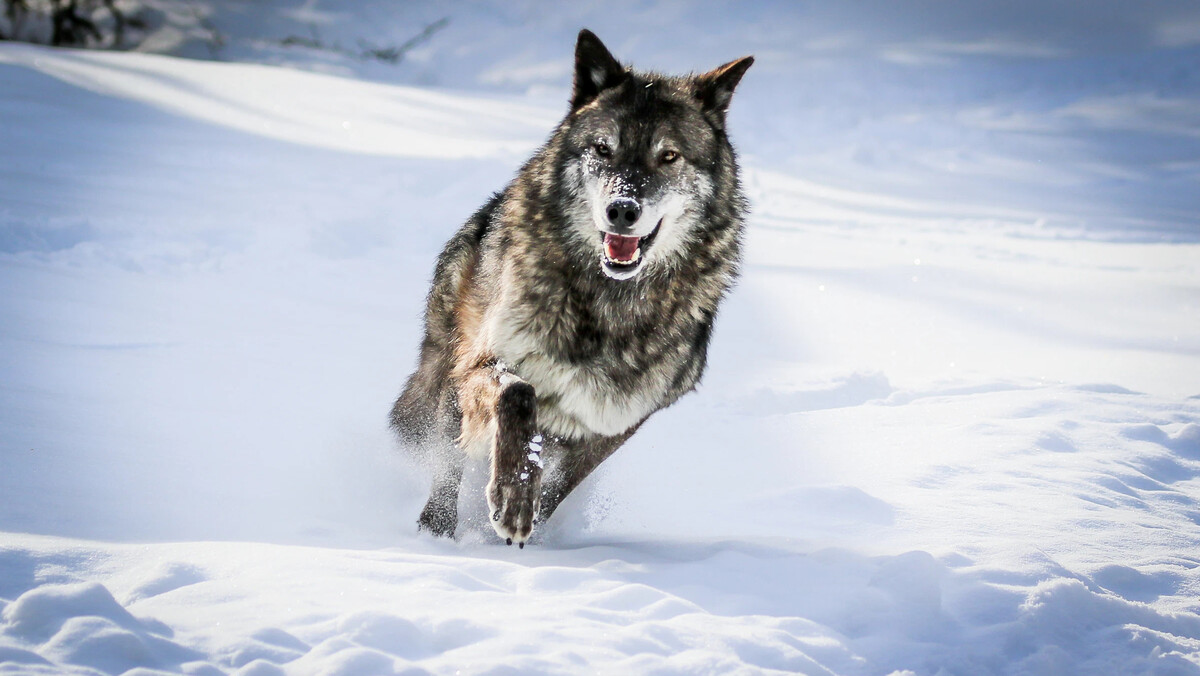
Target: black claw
x=520 y=545
x=508 y=541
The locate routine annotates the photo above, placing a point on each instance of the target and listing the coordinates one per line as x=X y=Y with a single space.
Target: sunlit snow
x=951 y=421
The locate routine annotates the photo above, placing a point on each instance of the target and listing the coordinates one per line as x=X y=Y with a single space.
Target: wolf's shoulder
x=471 y=234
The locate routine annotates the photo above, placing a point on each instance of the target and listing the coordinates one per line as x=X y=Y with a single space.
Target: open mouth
x=623 y=256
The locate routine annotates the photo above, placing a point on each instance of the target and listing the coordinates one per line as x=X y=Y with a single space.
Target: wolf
x=580 y=299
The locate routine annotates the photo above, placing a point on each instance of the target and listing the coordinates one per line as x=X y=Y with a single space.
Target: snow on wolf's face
x=638 y=188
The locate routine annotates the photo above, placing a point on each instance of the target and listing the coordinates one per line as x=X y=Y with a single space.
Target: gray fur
x=538 y=352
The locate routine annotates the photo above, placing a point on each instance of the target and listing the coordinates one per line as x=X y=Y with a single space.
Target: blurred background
x=1077 y=115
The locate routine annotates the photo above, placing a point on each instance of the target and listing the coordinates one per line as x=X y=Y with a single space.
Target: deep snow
x=951 y=423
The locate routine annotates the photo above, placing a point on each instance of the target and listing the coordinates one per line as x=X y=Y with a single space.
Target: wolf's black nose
x=623 y=213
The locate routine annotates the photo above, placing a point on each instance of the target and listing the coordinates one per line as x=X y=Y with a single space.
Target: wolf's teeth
x=637 y=255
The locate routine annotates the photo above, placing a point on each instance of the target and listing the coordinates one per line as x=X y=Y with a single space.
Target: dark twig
x=366 y=50
x=71 y=27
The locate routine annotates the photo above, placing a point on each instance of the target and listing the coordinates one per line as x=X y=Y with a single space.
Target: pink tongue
x=620 y=248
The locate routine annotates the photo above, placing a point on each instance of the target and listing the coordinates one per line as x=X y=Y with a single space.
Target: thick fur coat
x=580 y=299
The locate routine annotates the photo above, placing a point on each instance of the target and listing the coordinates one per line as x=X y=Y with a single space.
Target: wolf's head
x=644 y=159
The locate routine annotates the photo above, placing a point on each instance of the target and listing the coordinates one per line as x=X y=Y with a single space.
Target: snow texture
x=951 y=423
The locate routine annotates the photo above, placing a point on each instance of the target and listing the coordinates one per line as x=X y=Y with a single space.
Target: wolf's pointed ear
x=595 y=69
x=714 y=89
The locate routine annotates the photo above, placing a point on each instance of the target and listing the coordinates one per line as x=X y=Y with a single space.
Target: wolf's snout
x=623 y=213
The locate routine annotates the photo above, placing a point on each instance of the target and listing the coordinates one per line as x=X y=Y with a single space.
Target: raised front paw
x=514 y=491
x=513 y=505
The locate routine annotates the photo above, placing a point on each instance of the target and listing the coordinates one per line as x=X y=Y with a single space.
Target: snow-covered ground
x=952 y=418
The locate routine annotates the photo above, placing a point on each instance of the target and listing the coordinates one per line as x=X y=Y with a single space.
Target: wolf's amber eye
x=603 y=150
x=668 y=156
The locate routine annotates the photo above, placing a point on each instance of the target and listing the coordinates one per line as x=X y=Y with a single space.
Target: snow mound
x=630 y=606
x=82 y=625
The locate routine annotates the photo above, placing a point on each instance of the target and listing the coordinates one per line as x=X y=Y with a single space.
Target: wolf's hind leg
x=574 y=461
x=440 y=515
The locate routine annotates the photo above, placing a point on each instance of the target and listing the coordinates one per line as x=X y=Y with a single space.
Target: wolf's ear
x=595 y=69
x=714 y=89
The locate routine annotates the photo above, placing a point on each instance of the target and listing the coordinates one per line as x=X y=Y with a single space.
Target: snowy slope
x=1084 y=112
x=951 y=423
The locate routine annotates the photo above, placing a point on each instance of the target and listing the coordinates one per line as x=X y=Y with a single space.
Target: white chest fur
x=577 y=400
x=574 y=400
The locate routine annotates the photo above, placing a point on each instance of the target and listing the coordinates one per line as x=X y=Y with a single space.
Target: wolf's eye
x=668 y=156
x=602 y=149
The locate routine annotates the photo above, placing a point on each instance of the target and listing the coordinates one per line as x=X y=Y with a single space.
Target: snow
x=951 y=423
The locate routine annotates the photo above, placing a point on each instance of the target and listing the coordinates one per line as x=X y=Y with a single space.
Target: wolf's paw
x=513 y=506
x=437 y=519
x=514 y=493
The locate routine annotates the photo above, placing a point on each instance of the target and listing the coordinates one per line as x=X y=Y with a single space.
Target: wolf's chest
x=578 y=400
x=603 y=393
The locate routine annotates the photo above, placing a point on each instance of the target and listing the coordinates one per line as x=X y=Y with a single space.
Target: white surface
x=950 y=425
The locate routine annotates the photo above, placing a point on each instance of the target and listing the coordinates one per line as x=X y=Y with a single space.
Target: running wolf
x=580 y=299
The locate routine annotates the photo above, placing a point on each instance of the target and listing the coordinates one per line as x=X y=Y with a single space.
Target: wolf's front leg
x=500 y=410
x=514 y=490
